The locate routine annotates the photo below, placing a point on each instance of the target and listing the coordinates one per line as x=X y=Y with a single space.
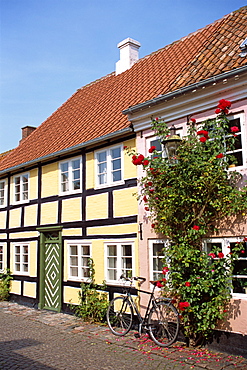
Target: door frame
x=42 y=231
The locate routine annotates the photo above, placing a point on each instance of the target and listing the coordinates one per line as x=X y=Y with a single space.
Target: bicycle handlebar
x=133 y=278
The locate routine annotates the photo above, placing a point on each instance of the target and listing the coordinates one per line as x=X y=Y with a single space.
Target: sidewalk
x=177 y=355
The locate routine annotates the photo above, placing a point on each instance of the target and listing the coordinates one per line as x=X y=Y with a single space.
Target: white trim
x=21 y=245
x=21 y=176
x=119 y=257
x=70 y=176
x=3 y=256
x=4 y=193
x=108 y=172
x=79 y=244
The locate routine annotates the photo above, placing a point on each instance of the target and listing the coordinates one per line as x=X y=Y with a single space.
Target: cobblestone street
x=39 y=339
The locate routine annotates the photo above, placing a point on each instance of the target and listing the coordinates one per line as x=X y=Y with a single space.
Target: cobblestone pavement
x=39 y=339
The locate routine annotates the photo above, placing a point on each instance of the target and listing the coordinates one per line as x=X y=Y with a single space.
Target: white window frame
x=243 y=133
x=225 y=242
x=22 y=185
x=119 y=268
x=109 y=170
x=79 y=244
x=22 y=261
x=3 y=193
x=70 y=189
x=152 y=272
x=2 y=257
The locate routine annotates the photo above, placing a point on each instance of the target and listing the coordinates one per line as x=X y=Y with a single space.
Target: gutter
x=183 y=90
x=67 y=150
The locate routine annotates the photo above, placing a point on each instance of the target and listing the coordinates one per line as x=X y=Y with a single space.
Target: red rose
x=145 y=199
x=146 y=209
x=202 y=139
x=165 y=270
x=245 y=239
x=212 y=255
x=164 y=280
x=145 y=162
x=153 y=226
x=234 y=129
x=195 y=227
x=221 y=155
x=221 y=255
x=159 y=284
x=193 y=120
x=218 y=110
x=187 y=284
x=183 y=305
x=150 y=183
x=151 y=190
x=151 y=149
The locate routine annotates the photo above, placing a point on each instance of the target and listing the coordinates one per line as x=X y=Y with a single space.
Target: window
x=1 y=257
x=109 y=166
x=21 y=188
x=156 y=253
x=239 y=277
x=21 y=258
x=119 y=258
x=154 y=141
x=70 y=175
x=237 y=153
x=2 y=193
x=79 y=254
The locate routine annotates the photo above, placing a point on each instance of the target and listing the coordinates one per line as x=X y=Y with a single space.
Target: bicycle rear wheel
x=163 y=323
x=120 y=316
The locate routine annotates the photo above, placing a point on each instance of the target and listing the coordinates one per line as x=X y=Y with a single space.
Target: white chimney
x=129 y=54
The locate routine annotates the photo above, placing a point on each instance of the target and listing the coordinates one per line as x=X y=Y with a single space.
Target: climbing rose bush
x=186 y=201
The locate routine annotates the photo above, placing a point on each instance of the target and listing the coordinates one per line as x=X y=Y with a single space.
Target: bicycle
x=161 y=320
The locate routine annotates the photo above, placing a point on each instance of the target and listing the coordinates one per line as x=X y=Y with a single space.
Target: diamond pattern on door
x=52 y=276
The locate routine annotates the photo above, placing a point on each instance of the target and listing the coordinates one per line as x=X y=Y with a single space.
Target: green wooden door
x=50 y=297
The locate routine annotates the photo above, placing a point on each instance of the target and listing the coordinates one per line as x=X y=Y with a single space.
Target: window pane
x=76 y=164
x=112 y=274
x=73 y=249
x=112 y=250
x=86 y=250
x=74 y=261
x=101 y=156
x=116 y=176
x=112 y=262
x=74 y=271
x=116 y=164
x=126 y=250
x=116 y=153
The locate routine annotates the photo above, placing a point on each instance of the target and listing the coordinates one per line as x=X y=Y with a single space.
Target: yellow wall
x=124 y=202
x=90 y=170
x=50 y=180
x=15 y=217
x=99 y=261
x=33 y=184
x=29 y=289
x=71 y=210
x=49 y=213
x=130 y=170
x=113 y=229
x=97 y=206
x=3 y=215
x=71 y=295
x=15 y=287
x=31 y=215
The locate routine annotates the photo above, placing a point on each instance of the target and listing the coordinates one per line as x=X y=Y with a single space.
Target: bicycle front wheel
x=120 y=316
x=163 y=323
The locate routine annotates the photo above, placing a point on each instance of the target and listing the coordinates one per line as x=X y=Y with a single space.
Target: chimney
x=26 y=131
x=129 y=54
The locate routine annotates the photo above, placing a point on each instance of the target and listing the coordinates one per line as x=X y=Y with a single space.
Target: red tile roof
x=96 y=109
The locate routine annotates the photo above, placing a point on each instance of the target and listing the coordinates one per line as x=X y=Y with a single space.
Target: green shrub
x=5 y=280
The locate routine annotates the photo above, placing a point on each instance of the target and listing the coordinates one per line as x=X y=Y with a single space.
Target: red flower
x=187 y=284
x=159 y=284
x=146 y=209
x=221 y=255
x=165 y=270
x=212 y=255
x=164 y=280
x=234 y=129
x=153 y=226
x=145 y=199
x=150 y=183
x=151 y=149
x=242 y=251
x=218 y=110
x=203 y=139
x=157 y=118
x=183 y=305
x=145 y=162
x=195 y=227
x=193 y=120
x=245 y=239
x=151 y=190
x=221 y=155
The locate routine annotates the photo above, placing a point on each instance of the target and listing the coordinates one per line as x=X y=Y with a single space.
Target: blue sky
x=50 y=48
